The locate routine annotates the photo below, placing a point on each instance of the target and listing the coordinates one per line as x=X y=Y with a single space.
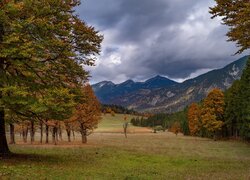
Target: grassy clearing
x=115 y=124
x=140 y=156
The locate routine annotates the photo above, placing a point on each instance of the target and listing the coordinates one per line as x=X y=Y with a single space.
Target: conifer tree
x=244 y=103
x=233 y=109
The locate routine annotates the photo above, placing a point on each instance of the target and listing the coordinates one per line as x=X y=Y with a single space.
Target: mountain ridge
x=168 y=95
x=105 y=89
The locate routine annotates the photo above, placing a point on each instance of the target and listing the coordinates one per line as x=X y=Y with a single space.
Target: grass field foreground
x=141 y=156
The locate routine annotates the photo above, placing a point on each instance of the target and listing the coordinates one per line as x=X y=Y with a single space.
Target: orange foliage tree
x=213 y=111
x=176 y=127
x=194 y=123
x=88 y=113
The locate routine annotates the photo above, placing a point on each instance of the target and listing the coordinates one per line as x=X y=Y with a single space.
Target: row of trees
x=43 y=49
x=109 y=108
x=84 y=120
x=208 y=118
x=171 y=122
x=224 y=114
x=227 y=115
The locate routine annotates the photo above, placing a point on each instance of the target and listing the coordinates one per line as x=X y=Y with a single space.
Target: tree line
x=225 y=114
x=164 y=121
x=220 y=114
x=112 y=108
x=85 y=118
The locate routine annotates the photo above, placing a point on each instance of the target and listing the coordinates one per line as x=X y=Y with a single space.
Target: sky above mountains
x=143 y=38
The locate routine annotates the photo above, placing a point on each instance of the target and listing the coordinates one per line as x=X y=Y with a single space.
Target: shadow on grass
x=32 y=158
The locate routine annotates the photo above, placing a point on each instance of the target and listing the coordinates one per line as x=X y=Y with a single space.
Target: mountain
x=160 y=94
x=106 y=91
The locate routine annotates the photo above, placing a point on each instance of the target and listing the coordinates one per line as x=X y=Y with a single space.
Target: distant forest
x=112 y=108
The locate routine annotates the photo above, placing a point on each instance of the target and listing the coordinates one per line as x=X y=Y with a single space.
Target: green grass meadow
x=109 y=155
x=114 y=124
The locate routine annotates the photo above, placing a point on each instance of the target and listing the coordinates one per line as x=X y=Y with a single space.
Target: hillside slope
x=173 y=96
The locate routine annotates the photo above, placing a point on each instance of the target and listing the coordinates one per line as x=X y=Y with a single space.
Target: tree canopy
x=212 y=113
x=244 y=103
x=235 y=14
x=88 y=113
x=43 y=48
x=194 y=118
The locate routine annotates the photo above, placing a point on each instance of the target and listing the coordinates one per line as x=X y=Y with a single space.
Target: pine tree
x=233 y=108
x=244 y=103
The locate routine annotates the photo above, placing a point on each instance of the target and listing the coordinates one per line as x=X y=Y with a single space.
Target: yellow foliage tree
x=213 y=111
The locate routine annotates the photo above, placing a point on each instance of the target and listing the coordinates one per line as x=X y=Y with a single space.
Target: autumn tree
x=43 y=47
x=88 y=113
x=236 y=15
x=176 y=127
x=212 y=113
x=112 y=113
x=194 y=119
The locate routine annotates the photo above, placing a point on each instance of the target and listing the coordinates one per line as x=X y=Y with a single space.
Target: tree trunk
x=41 y=132
x=84 y=134
x=68 y=131
x=4 y=149
x=47 y=133
x=60 y=132
x=84 y=137
x=214 y=136
x=25 y=133
x=12 y=134
x=68 y=134
x=125 y=126
x=54 y=134
x=73 y=132
x=32 y=132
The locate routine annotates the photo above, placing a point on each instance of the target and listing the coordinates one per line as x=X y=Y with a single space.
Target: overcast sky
x=143 y=38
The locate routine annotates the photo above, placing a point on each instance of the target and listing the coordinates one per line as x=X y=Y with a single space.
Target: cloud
x=144 y=38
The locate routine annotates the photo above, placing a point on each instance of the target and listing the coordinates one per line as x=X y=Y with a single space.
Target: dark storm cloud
x=144 y=38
